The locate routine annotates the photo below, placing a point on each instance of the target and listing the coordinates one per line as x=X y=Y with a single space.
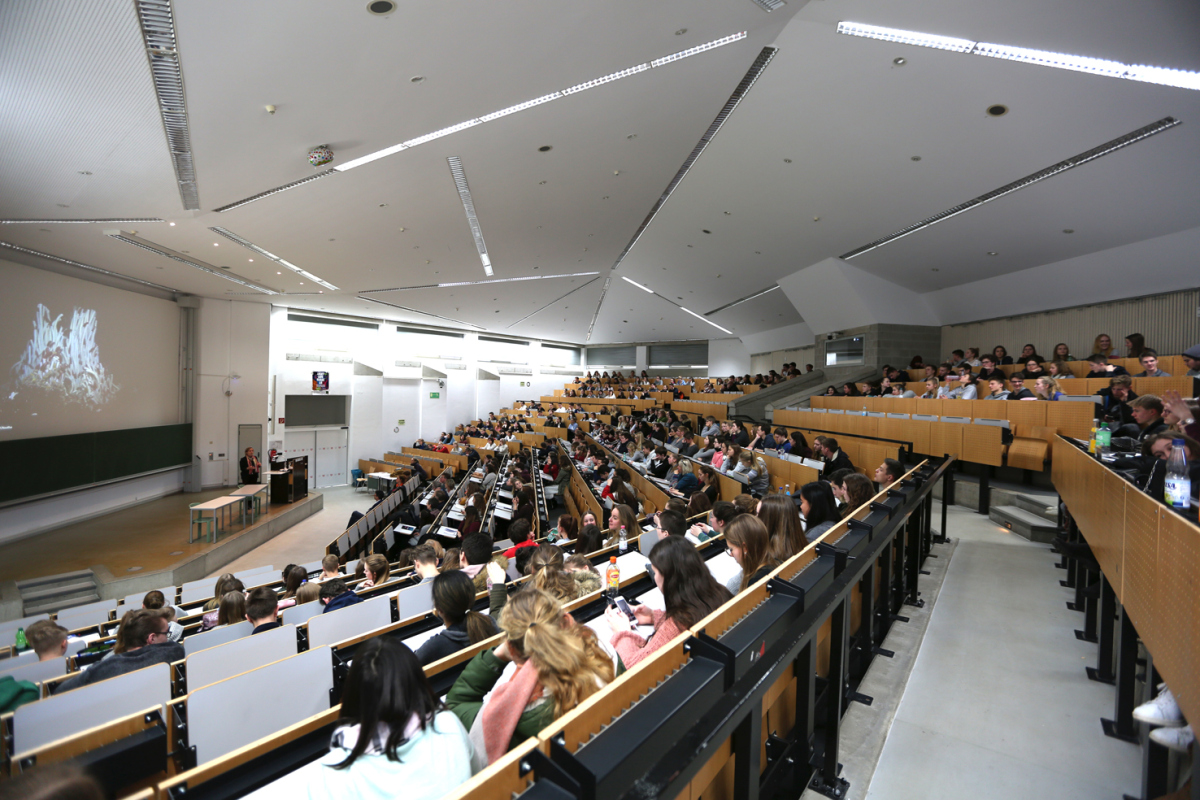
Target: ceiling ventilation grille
x=249 y=245
x=464 y=194
x=276 y=190
x=76 y=221
x=229 y=276
x=18 y=249
x=1049 y=172
x=745 y=299
x=158 y=31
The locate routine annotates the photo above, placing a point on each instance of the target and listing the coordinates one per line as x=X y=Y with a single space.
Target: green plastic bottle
x=22 y=642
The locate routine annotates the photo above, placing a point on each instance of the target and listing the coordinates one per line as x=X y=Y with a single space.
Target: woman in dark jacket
x=453 y=596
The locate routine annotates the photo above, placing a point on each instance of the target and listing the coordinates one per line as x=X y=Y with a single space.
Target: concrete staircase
x=57 y=592
x=1028 y=515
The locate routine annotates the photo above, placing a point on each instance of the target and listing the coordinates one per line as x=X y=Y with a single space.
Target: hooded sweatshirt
x=447 y=643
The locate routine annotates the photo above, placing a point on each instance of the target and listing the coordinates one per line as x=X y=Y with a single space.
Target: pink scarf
x=499 y=718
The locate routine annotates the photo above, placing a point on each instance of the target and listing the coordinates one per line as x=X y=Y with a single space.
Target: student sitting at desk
x=141 y=642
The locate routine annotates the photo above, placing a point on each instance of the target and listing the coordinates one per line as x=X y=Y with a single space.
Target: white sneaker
x=1162 y=710
x=1177 y=739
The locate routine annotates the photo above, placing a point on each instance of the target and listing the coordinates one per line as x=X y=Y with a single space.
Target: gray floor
x=306 y=540
x=998 y=704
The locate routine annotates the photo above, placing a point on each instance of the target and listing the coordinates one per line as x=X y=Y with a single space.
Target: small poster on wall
x=320 y=383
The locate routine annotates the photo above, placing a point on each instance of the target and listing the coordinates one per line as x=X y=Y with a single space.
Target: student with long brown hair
x=750 y=545
x=559 y=665
x=689 y=589
x=778 y=514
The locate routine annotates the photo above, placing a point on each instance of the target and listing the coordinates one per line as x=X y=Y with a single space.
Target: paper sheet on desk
x=723 y=567
x=414 y=642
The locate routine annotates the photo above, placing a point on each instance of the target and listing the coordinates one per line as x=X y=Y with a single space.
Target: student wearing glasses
x=141 y=642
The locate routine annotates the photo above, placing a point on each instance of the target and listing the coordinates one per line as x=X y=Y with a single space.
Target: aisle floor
x=306 y=540
x=998 y=704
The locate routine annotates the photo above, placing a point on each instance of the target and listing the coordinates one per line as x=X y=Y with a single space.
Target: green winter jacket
x=465 y=698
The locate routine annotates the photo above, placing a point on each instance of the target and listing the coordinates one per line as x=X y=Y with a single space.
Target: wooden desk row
x=1150 y=556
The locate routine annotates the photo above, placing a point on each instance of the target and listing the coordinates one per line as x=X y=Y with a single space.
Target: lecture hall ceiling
x=833 y=147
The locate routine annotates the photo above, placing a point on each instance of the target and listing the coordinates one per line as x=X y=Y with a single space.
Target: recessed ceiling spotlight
x=226 y=267
x=172 y=224
x=992 y=252
x=381 y=7
x=900 y=62
x=278 y=273
x=681 y=32
x=416 y=79
x=816 y=219
x=916 y=158
x=705 y=230
x=545 y=148
x=216 y=244
x=62 y=205
x=85 y=172
x=935 y=269
x=997 y=110
x=383 y=205
x=252 y=261
x=543 y=183
x=1068 y=230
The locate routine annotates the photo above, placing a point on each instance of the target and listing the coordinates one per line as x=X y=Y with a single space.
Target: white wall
x=401 y=401
x=1162 y=264
x=832 y=295
x=26 y=519
x=232 y=375
x=727 y=357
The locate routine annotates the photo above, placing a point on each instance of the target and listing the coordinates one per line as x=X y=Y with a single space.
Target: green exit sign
x=434 y=395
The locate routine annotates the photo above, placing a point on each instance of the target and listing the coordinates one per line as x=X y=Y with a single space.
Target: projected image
x=63 y=363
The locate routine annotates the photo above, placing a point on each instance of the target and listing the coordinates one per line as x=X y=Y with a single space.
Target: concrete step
x=48 y=591
x=1024 y=523
x=61 y=602
x=1044 y=507
x=64 y=577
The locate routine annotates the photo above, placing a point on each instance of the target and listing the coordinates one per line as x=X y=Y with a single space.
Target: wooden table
x=216 y=506
x=253 y=490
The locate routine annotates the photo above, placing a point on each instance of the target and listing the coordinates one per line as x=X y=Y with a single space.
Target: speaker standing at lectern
x=251 y=467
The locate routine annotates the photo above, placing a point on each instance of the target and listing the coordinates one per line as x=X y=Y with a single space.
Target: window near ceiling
x=557 y=355
x=688 y=354
x=846 y=352
x=615 y=356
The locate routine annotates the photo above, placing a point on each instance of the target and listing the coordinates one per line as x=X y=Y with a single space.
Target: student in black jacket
x=1019 y=392
x=834 y=458
x=453 y=596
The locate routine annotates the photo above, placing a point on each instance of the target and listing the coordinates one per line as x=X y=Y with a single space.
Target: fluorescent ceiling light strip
x=276 y=190
x=478 y=283
x=249 y=245
x=745 y=299
x=770 y=5
x=464 y=194
x=635 y=283
x=74 y=221
x=1162 y=76
x=553 y=302
x=424 y=313
x=704 y=319
x=158 y=32
x=121 y=237
x=369 y=157
x=1112 y=146
x=702 y=48
x=546 y=98
x=537 y=101
x=18 y=249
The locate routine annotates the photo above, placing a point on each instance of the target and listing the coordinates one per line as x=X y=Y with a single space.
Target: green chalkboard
x=31 y=467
